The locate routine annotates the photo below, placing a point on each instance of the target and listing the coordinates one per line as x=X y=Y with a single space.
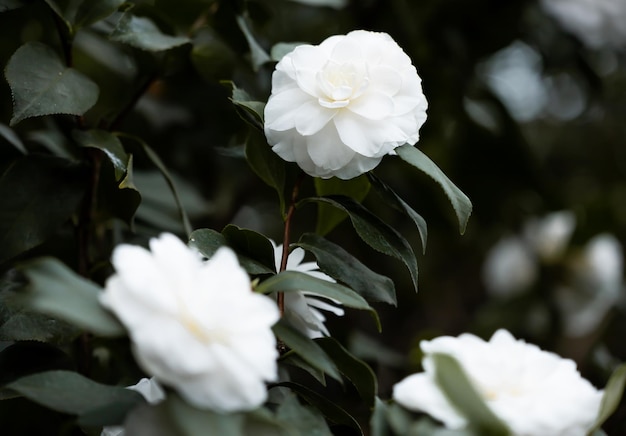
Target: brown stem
x=286 y=237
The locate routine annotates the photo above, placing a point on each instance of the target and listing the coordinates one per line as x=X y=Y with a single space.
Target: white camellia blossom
x=150 y=389
x=195 y=326
x=549 y=235
x=596 y=22
x=302 y=307
x=337 y=108
x=510 y=267
x=534 y=392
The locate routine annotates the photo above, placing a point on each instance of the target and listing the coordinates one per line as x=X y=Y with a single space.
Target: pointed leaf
x=302 y=419
x=393 y=200
x=306 y=348
x=142 y=33
x=613 y=393
x=293 y=359
x=42 y=85
x=354 y=369
x=322 y=403
x=70 y=392
x=461 y=393
x=91 y=11
x=374 y=232
x=258 y=55
x=108 y=143
x=252 y=245
x=294 y=281
x=65 y=9
x=192 y=421
x=39 y=194
x=56 y=290
x=344 y=267
x=267 y=165
x=329 y=217
x=460 y=202
x=7 y=133
x=253 y=111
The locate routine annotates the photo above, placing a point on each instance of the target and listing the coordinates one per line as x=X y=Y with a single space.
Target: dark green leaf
x=374 y=232
x=378 y=420
x=461 y=204
x=393 y=200
x=329 y=217
x=65 y=9
x=257 y=54
x=252 y=245
x=56 y=290
x=38 y=195
x=342 y=266
x=109 y=144
x=463 y=396
x=30 y=357
x=370 y=349
x=7 y=133
x=70 y=392
x=42 y=85
x=613 y=393
x=293 y=281
x=252 y=108
x=306 y=348
x=91 y=11
x=7 y=5
x=158 y=163
x=117 y=198
x=142 y=33
x=293 y=359
x=191 y=421
x=266 y=164
x=211 y=56
x=355 y=370
x=322 y=403
x=301 y=419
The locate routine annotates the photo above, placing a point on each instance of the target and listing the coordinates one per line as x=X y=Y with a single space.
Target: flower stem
x=286 y=237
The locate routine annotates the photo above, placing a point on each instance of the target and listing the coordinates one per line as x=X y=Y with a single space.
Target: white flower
x=301 y=307
x=150 y=389
x=510 y=267
x=195 y=326
x=549 y=235
x=596 y=285
x=596 y=22
x=337 y=108
x=337 y=4
x=534 y=392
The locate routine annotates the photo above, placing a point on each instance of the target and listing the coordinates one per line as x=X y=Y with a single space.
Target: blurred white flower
x=596 y=22
x=596 y=285
x=195 y=326
x=534 y=392
x=510 y=268
x=150 y=389
x=337 y=4
x=301 y=307
x=549 y=235
x=337 y=108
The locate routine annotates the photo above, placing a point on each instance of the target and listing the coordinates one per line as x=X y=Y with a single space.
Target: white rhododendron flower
x=302 y=309
x=596 y=22
x=337 y=108
x=153 y=393
x=195 y=326
x=534 y=392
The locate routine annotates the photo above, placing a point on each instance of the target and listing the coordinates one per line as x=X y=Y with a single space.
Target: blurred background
x=527 y=105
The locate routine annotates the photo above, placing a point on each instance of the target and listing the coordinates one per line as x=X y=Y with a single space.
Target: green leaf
x=253 y=111
x=293 y=359
x=69 y=392
x=344 y=267
x=108 y=143
x=458 y=389
x=306 y=348
x=192 y=421
x=30 y=357
x=7 y=5
x=460 y=202
x=251 y=245
x=158 y=163
x=66 y=10
x=267 y=165
x=354 y=369
x=207 y=241
x=293 y=281
x=211 y=56
x=393 y=200
x=91 y=11
x=378 y=420
x=39 y=193
x=322 y=403
x=142 y=33
x=56 y=290
x=42 y=85
x=7 y=133
x=257 y=54
x=301 y=419
x=279 y=50
x=613 y=393
x=329 y=217
x=374 y=232
x=117 y=198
